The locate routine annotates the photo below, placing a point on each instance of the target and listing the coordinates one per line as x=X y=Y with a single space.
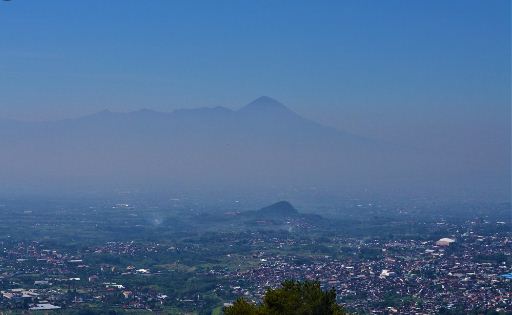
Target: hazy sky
x=390 y=69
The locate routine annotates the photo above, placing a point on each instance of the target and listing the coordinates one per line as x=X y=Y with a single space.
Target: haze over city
x=431 y=78
x=255 y=157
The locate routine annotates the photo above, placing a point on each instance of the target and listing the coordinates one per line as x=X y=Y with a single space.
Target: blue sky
x=378 y=68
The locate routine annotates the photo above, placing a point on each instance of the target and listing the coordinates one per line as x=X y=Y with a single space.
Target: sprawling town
x=409 y=277
x=463 y=267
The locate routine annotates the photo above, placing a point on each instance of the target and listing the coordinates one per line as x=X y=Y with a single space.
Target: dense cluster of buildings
x=464 y=270
x=465 y=273
x=35 y=278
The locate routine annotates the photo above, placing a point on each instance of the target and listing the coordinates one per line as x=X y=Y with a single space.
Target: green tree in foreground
x=293 y=298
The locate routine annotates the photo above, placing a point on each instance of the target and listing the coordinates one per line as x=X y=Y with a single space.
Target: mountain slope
x=279 y=209
x=262 y=145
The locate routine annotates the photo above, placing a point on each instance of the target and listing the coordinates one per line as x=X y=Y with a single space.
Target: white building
x=445 y=241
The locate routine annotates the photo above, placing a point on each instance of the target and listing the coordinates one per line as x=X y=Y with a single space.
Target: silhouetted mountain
x=281 y=208
x=265 y=105
x=263 y=145
x=278 y=215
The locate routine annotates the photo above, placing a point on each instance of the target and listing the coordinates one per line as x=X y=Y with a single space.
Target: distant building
x=385 y=273
x=44 y=307
x=445 y=241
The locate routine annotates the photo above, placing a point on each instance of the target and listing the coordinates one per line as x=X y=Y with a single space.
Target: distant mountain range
x=263 y=145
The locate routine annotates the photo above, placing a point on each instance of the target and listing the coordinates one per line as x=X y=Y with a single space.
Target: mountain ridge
x=262 y=144
x=262 y=103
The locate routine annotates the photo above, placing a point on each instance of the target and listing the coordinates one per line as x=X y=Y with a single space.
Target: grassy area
x=217 y=310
